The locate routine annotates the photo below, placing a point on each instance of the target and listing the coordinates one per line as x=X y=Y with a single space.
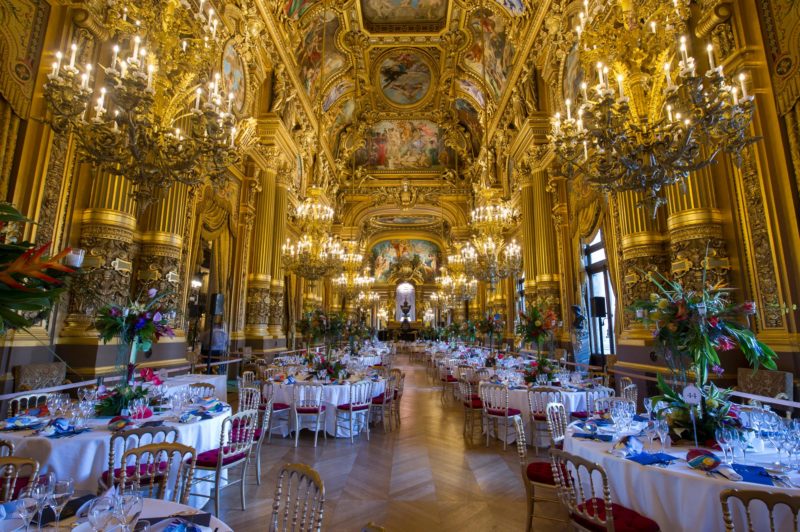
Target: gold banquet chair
x=121 y=442
x=538 y=477
x=588 y=501
x=496 y=410
x=236 y=442
x=145 y=472
x=250 y=398
x=202 y=389
x=772 y=502
x=299 y=500
x=16 y=475
x=538 y=399
x=357 y=407
x=307 y=402
x=22 y=403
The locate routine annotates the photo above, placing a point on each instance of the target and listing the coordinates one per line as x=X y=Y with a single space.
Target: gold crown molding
x=257 y=278
x=692 y=217
x=545 y=279
x=109 y=217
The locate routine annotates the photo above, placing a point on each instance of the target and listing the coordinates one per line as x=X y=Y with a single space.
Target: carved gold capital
x=109 y=217
x=693 y=217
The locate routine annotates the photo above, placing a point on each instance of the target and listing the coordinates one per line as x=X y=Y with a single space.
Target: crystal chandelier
x=653 y=128
x=162 y=114
x=350 y=283
x=317 y=254
x=367 y=299
x=489 y=258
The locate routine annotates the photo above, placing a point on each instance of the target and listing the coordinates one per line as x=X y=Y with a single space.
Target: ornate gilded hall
x=440 y=232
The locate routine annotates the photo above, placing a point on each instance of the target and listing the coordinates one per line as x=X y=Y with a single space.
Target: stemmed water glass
x=62 y=493
x=127 y=510
x=101 y=514
x=724 y=440
x=662 y=429
x=26 y=509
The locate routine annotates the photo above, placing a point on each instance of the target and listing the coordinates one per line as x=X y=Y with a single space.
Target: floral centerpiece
x=491 y=325
x=466 y=331
x=114 y=401
x=356 y=331
x=30 y=281
x=541 y=366
x=137 y=326
x=312 y=326
x=537 y=326
x=691 y=328
x=332 y=369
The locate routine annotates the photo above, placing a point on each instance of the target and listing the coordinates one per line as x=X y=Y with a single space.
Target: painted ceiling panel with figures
x=404 y=86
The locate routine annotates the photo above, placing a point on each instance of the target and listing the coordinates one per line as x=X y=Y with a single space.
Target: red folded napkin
x=147 y=413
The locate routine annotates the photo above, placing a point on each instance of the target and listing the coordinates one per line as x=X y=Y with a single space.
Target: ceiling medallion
x=405 y=78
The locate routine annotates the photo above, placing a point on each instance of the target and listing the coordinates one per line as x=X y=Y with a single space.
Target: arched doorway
x=405 y=302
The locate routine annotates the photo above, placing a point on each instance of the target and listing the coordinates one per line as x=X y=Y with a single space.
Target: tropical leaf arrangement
x=691 y=328
x=30 y=279
x=143 y=320
x=491 y=325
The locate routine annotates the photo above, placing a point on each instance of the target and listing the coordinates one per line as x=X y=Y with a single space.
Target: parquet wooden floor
x=422 y=477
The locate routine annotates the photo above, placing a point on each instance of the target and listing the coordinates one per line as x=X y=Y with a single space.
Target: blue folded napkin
x=640 y=419
x=9 y=510
x=601 y=437
x=652 y=459
x=754 y=474
x=601 y=422
x=60 y=428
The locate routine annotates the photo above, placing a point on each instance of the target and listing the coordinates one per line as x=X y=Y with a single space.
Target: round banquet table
x=332 y=396
x=574 y=401
x=677 y=497
x=84 y=457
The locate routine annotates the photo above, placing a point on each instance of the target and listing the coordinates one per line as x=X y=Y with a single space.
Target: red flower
x=749 y=307
x=713 y=321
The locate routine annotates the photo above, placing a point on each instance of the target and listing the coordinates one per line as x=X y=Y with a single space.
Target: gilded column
x=259 y=276
x=529 y=244
x=545 y=248
x=159 y=262
x=276 y=306
x=250 y=191
x=694 y=223
x=642 y=247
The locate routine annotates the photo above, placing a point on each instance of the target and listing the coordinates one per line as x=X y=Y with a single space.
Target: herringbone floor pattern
x=420 y=477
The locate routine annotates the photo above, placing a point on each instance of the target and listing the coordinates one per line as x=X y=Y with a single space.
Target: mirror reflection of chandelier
x=162 y=114
x=489 y=258
x=316 y=254
x=651 y=128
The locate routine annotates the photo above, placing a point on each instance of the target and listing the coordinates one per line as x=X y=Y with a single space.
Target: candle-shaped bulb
x=59 y=57
x=84 y=81
x=667 y=75
x=684 y=52
x=653 y=26
x=710 y=50
x=115 y=52
x=230 y=101
x=150 y=69
x=583 y=90
x=123 y=68
x=600 y=73
x=54 y=71
x=669 y=113
x=735 y=95
x=619 y=85
x=197 y=94
x=136 y=42
x=73 y=50
x=743 y=85
x=568 y=103
x=233 y=135
x=183 y=45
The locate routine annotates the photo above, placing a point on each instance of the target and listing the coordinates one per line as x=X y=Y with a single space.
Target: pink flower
x=725 y=344
x=713 y=321
x=749 y=307
x=717 y=370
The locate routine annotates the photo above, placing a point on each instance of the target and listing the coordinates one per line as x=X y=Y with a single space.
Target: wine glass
x=662 y=429
x=26 y=509
x=101 y=514
x=648 y=407
x=62 y=493
x=127 y=510
x=40 y=492
x=722 y=436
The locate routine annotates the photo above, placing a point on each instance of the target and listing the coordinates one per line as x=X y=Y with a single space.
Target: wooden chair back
x=772 y=501
x=583 y=487
x=159 y=471
x=13 y=471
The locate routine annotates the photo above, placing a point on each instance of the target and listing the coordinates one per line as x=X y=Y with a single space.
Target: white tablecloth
x=84 y=457
x=573 y=402
x=179 y=382
x=332 y=396
x=678 y=498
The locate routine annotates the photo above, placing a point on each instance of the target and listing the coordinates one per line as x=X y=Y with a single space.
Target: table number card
x=691 y=394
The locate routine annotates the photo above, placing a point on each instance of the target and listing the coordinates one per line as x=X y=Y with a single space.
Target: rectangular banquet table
x=677 y=497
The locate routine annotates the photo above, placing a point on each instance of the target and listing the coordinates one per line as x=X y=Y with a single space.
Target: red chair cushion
x=257 y=434
x=280 y=406
x=131 y=470
x=582 y=414
x=539 y=417
x=449 y=378
x=625 y=519
x=378 y=399
x=475 y=396
x=500 y=412
x=210 y=458
x=474 y=403
x=310 y=409
x=541 y=472
x=348 y=408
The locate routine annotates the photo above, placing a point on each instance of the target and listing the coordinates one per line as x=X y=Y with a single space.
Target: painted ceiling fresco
x=490 y=54
x=393 y=15
x=404 y=77
x=404 y=74
x=389 y=252
x=405 y=144
x=311 y=51
x=404 y=220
